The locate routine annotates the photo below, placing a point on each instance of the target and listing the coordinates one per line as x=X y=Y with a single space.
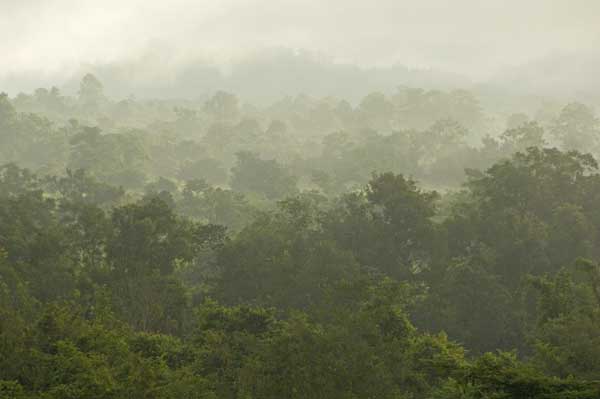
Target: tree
x=208 y=169
x=268 y=177
x=79 y=187
x=520 y=207
x=577 y=128
x=113 y=158
x=502 y=375
x=282 y=260
x=91 y=92
x=523 y=136
x=376 y=111
x=159 y=185
x=222 y=106
x=386 y=226
x=215 y=205
x=36 y=241
x=366 y=350
x=15 y=181
x=146 y=295
x=472 y=305
x=7 y=110
x=441 y=150
x=566 y=337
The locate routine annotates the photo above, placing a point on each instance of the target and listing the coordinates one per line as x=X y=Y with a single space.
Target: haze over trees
x=307 y=249
x=424 y=239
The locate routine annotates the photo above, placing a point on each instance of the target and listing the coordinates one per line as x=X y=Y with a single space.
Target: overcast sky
x=472 y=37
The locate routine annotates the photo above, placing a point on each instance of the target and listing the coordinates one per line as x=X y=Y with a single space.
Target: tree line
x=160 y=262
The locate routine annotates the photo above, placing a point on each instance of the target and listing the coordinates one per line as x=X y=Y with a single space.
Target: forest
x=409 y=245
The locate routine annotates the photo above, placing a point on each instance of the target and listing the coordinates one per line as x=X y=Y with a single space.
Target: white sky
x=472 y=37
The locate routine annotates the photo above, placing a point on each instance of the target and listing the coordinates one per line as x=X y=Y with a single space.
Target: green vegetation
x=400 y=248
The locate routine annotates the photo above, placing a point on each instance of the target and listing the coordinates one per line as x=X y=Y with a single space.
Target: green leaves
x=268 y=177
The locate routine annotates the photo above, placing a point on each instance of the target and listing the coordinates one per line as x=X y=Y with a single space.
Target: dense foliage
x=312 y=249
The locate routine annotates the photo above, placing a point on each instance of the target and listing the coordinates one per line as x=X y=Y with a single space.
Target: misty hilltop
x=344 y=48
x=271 y=74
x=264 y=77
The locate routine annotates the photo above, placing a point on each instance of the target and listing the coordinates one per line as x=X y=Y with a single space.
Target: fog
x=299 y=199
x=45 y=42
